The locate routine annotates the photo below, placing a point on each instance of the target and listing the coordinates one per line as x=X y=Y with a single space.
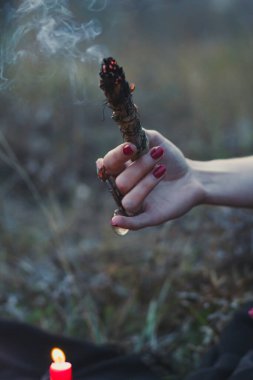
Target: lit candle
x=60 y=369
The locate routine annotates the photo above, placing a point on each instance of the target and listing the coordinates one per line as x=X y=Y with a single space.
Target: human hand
x=157 y=187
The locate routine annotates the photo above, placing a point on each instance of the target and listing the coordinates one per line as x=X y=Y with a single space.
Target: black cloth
x=232 y=358
x=25 y=355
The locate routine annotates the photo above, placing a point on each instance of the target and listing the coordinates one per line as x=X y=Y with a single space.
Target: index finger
x=115 y=160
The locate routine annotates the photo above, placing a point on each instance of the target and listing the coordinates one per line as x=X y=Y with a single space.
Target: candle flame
x=58 y=355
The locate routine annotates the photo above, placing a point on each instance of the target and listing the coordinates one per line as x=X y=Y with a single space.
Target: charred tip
x=113 y=82
x=111 y=70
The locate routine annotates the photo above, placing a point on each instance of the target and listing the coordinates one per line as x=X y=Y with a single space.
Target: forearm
x=227 y=182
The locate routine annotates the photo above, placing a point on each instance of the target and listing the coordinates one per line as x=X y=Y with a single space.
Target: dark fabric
x=25 y=355
x=232 y=358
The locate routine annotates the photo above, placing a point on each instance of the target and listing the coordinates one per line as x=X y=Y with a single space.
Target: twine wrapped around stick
x=119 y=98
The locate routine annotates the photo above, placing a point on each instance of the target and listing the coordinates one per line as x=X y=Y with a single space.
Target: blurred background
x=166 y=291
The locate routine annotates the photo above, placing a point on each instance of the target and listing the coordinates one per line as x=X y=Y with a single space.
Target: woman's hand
x=157 y=187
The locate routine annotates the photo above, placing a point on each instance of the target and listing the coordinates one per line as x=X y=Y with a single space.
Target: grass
x=168 y=291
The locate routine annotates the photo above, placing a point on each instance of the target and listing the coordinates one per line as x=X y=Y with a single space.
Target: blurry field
x=166 y=291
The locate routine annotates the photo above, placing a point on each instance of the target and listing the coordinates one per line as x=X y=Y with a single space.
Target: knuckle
x=129 y=206
x=121 y=184
x=109 y=159
x=155 y=135
x=113 y=161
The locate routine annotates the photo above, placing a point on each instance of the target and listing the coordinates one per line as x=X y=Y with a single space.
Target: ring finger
x=133 y=200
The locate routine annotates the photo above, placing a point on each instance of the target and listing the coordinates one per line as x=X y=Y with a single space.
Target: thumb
x=133 y=223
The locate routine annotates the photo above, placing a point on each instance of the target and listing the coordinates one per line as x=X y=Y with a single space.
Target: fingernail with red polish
x=159 y=171
x=156 y=152
x=128 y=150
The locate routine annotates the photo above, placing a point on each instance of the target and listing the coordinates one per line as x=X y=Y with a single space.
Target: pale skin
x=163 y=184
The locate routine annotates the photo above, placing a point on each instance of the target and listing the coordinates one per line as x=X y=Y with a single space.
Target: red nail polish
x=159 y=171
x=127 y=150
x=156 y=152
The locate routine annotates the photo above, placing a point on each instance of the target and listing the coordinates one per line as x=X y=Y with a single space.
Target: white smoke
x=97 y=6
x=29 y=5
x=54 y=27
x=46 y=29
x=61 y=37
x=222 y=5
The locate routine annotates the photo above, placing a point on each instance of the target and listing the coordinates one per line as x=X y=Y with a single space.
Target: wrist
x=226 y=182
x=205 y=176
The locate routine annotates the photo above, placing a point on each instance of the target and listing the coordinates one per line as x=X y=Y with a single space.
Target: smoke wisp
x=45 y=30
